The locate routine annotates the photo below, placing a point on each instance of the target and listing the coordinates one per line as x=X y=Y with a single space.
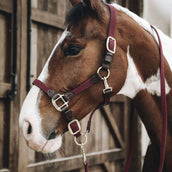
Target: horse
x=134 y=72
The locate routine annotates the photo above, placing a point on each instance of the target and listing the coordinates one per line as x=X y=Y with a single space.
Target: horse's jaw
x=30 y=124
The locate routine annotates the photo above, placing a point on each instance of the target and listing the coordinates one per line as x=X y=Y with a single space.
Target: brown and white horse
x=135 y=73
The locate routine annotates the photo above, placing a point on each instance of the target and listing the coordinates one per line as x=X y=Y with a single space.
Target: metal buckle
x=60 y=98
x=108 y=43
x=70 y=129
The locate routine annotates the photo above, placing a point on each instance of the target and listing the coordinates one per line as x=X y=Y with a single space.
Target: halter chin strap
x=61 y=101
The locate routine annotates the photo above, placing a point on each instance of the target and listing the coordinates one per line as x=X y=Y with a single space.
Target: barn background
x=28 y=33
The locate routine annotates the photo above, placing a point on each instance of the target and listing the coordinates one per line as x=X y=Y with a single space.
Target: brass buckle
x=63 y=101
x=70 y=129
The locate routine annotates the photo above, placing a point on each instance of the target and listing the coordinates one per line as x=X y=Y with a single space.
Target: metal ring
x=85 y=140
x=103 y=77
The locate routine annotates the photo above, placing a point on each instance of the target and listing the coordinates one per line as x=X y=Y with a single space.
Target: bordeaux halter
x=61 y=101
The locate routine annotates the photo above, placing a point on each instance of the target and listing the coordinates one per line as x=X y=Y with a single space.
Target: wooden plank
x=106 y=111
x=62 y=8
x=34 y=52
x=25 y=155
x=118 y=98
x=3 y=89
x=47 y=18
x=75 y=162
x=4 y=170
x=2 y=111
x=6 y=6
x=107 y=166
x=5 y=47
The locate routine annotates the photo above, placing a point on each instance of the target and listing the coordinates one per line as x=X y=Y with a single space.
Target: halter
x=61 y=101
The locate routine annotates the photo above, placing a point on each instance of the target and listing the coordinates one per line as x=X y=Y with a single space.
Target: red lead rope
x=163 y=107
x=164 y=115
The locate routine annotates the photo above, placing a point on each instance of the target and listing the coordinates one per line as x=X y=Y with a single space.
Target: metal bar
x=29 y=29
x=64 y=164
x=11 y=94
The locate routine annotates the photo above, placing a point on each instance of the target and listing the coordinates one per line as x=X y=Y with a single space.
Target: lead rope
x=163 y=107
x=164 y=116
x=82 y=143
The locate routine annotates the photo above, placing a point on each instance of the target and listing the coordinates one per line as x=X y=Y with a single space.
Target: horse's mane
x=79 y=12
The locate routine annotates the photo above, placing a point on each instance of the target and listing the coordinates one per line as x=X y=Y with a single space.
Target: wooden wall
x=108 y=141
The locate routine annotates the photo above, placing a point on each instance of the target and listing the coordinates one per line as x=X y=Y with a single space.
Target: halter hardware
x=81 y=145
x=107 y=89
x=77 y=125
x=111 y=40
x=59 y=98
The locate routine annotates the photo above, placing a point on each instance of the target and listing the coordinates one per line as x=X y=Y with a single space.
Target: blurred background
x=29 y=30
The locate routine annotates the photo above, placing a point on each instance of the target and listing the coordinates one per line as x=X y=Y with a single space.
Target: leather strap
x=69 y=95
x=110 y=42
x=163 y=106
x=112 y=25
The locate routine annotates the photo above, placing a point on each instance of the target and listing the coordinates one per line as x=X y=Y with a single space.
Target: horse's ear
x=74 y=2
x=97 y=6
x=87 y=2
x=94 y=4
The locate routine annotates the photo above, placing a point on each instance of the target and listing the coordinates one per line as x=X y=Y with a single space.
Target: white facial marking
x=44 y=74
x=30 y=114
x=133 y=83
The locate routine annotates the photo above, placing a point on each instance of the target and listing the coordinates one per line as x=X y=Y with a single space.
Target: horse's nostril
x=29 y=130
x=52 y=136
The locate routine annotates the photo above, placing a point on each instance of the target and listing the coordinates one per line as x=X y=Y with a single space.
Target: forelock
x=79 y=12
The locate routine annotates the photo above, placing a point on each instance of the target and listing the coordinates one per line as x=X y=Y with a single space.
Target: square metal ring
x=70 y=129
x=108 y=43
x=60 y=97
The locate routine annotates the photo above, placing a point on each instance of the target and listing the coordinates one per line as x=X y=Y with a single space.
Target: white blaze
x=30 y=114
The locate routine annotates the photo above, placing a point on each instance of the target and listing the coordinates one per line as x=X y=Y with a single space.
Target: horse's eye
x=72 y=50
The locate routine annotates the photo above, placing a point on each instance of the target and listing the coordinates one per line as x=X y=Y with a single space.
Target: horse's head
x=77 y=55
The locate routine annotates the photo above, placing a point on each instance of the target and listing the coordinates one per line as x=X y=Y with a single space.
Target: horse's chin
x=52 y=145
x=46 y=146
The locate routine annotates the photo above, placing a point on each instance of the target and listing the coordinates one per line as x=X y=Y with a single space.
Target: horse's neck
x=142 y=82
x=150 y=114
